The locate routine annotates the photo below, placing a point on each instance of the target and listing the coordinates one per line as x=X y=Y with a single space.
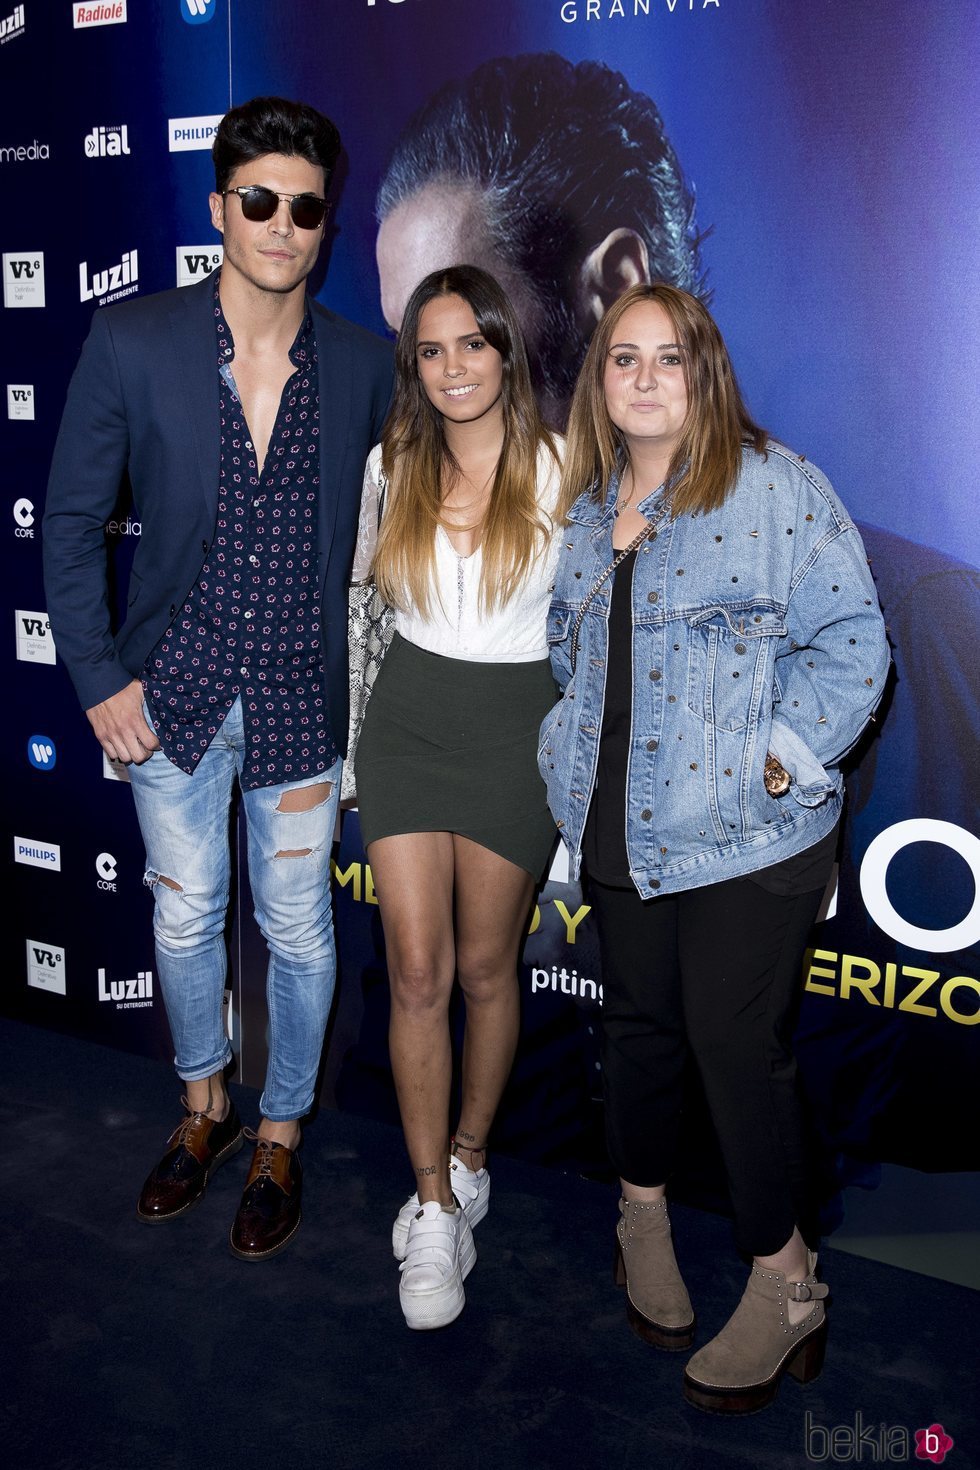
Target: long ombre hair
x=417 y=461
x=706 y=462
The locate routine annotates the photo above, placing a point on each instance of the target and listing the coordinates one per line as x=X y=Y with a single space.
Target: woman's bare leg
x=413 y=878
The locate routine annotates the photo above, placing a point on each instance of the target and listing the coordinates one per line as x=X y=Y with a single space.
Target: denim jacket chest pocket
x=731 y=663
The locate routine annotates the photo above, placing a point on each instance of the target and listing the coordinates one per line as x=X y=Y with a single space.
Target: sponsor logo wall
x=828 y=346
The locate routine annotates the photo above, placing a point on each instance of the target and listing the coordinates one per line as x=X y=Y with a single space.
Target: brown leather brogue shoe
x=194 y=1150
x=269 y=1214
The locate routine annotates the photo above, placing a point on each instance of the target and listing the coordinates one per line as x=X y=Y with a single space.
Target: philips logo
x=20 y=400
x=35 y=854
x=112 y=14
x=23 y=279
x=35 y=645
x=24 y=519
x=111 y=284
x=187 y=133
x=194 y=262
x=105 y=866
x=128 y=995
x=12 y=25
x=198 y=12
x=41 y=753
x=46 y=967
x=107 y=142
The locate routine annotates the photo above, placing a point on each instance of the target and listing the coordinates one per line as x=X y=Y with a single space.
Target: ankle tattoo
x=427 y=1170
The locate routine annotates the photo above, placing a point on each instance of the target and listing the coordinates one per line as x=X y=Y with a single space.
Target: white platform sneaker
x=472 y=1190
x=439 y=1255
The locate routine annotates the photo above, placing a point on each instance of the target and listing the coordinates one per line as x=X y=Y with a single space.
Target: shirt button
x=249 y=613
x=740 y=648
x=646 y=814
x=655 y=674
x=254 y=560
x=654 y=882
x=244 y=673
x=653 y=744
x=653 y=596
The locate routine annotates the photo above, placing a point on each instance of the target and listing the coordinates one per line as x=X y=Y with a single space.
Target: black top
x=604 y=839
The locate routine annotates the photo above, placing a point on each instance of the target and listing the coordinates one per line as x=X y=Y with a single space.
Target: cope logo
x=41 y=752
x=23 y=278
x=198 y=12
x=35 y=644
x=187 y=133
x=107 y=142
x=20 y=400
x=46 y=967
x=194 y=262
x=128 y=995
x=12 y=25
x=105 y=866
x=112 y=13
x=111 y=284
x=34 y=854
x=24 y=519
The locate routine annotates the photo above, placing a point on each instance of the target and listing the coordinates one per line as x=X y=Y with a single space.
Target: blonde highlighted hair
x=706 y=462
x=417 y=461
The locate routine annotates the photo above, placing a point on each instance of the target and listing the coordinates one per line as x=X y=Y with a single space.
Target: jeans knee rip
x=151 y=879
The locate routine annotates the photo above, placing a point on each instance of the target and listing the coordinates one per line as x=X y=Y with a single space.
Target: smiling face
x=273 y=254
x=643 y=379
x=461 y=374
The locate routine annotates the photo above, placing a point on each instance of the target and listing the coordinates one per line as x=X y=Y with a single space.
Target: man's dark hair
x=565 y=154
x=273 y=125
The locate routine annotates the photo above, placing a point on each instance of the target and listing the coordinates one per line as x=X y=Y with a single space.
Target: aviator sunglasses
x=260 y=204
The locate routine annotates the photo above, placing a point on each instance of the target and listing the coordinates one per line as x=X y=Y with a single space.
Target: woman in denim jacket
x=716 y=635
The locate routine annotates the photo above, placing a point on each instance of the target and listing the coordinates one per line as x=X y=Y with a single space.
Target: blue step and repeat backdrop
x=825 y=159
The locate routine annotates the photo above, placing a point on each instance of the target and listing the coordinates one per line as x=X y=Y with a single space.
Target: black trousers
x=714 y=972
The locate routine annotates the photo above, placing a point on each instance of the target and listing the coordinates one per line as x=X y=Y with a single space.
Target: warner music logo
x=194 y=262
x=46 y=967
x=111 y=284
x=34 y=854
x=20 y=400
x=107 y=142
x=198 y=12
x=24 y=519
x=23 y=278
x=25 y=152
x=129 y=995
x=12 y=25
x=35 y=645
x=187 y=133
x=111 y=14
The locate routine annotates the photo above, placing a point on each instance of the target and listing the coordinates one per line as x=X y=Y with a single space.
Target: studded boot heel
x=738 y=1371
x=657 y=1304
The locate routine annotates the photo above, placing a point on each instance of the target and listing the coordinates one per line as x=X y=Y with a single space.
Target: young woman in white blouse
x=452 y=808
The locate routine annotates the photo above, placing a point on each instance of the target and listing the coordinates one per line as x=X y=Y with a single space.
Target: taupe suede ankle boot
x=657 y=1304
x=738 y=1371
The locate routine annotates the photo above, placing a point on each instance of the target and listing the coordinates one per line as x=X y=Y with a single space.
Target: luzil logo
x=12 y=25
x=107 y=142
x=125 y=274
x=41 y=753
x=121 y=990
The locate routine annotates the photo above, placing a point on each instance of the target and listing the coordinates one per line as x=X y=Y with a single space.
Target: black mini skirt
x=450 y=745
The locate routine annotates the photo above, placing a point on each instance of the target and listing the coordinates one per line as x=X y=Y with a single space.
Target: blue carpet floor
x=130 y=1347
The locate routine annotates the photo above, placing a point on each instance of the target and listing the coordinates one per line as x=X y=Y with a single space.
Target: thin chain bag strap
x=638 y=540
x=371 y=624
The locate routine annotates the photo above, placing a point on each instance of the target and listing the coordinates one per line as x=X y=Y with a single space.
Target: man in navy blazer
x=243 y=413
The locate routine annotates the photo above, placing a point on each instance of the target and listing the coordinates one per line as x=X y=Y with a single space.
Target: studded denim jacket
x=756 y=628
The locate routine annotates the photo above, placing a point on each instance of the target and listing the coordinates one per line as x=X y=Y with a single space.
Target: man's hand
x=120 y=726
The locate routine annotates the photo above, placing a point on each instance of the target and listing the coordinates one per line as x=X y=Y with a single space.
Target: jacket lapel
x=196 y=376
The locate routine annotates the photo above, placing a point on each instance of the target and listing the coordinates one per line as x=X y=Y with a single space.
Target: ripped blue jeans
x=185 y=825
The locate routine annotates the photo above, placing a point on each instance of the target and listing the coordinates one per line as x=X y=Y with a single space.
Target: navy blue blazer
x=144 y=399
